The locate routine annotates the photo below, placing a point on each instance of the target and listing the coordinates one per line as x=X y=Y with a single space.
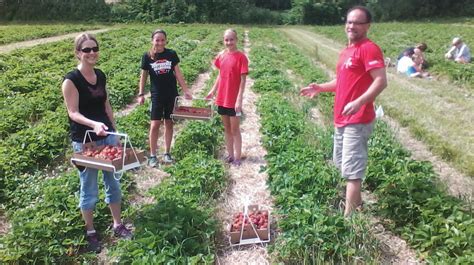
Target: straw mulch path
x=247 y=185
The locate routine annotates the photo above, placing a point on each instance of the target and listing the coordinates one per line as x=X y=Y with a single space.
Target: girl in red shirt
x=230 y=84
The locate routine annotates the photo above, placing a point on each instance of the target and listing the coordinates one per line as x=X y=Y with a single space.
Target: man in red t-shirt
x=360 y=77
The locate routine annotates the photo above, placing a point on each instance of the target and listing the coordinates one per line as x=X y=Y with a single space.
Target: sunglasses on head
x=88 y=50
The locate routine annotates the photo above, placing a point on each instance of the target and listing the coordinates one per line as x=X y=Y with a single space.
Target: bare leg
x=353 y=196
x=236 y=136
x=88 y=216
x=153 y=135
x=229 y=141
x=168 y=135
x=115 y=210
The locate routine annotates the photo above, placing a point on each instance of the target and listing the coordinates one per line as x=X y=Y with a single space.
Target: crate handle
x=127 y=140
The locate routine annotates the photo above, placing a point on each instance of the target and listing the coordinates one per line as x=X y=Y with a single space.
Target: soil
x=4 y=225
x=29 y=43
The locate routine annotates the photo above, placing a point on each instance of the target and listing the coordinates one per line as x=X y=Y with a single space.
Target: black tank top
x=92 y=100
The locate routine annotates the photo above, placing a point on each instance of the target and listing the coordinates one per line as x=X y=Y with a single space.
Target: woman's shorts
x=226 y=111
x=161 y=110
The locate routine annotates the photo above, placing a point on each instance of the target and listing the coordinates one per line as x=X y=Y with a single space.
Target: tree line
x=322 y=12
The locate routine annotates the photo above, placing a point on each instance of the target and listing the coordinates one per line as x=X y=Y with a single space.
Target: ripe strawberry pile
x=258 y=218
x=191 y=110
x=109 y=152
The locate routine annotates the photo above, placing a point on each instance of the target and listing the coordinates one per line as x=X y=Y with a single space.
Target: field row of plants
x=305 y=187
x=42 y=205
x=180 y=226
x=429 y=108
x=23 y=32
x=37 y=145
x=394 y=37
x=415 y=206
x=31 y=77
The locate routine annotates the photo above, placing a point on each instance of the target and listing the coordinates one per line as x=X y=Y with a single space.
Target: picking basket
x=250 y=233
x=183 y=109
x=129 y=159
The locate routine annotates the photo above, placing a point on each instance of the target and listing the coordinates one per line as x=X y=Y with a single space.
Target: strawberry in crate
x=258 y=218
x=109 y=152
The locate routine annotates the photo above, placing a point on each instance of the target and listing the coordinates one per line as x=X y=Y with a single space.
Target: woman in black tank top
x=88 y=107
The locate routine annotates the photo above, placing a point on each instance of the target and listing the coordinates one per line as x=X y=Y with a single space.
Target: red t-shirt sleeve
x=372 y=57
x=244 y=65
x=217 y=63
x=217 y=60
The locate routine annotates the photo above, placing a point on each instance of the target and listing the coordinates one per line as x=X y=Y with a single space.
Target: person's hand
x=210 y=95
x=100 y=129
x=310 y=91
x=188 y=95
x=351 y=108
x=141 y=99
x=238 y=107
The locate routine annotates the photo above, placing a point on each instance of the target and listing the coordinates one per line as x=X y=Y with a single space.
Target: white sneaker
x=152 y=161
x=167 y=158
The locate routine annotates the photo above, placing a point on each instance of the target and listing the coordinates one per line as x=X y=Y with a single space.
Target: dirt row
x=30 y=43
x=147 y=177
x=247 y=184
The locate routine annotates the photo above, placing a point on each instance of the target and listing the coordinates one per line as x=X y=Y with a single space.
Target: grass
x=437 y=113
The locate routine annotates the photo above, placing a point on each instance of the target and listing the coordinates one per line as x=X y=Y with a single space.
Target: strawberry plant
x=43 y=210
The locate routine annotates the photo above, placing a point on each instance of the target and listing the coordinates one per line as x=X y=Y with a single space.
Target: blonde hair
x=231 y=30
x=80 y=39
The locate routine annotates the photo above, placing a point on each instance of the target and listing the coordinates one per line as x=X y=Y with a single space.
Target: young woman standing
x=161 y=64
x=85 y=95
x=230 y=84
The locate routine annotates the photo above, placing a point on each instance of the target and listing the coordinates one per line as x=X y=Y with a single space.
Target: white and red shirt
x=231 y=65
x=353 y=80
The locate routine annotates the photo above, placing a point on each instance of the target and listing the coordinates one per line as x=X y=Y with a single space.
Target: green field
x=38 y=184
x=10 y=33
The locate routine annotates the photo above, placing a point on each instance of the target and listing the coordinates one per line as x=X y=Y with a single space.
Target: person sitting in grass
x=419 y=50
x=416 y=69
x=459 y=52
x=404 y=63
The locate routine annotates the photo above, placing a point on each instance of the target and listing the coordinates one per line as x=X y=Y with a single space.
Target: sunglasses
x=88 y=50
x=356 y=23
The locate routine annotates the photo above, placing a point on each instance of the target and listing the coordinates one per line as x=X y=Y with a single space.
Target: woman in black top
x=161 y=64
x=86 y=99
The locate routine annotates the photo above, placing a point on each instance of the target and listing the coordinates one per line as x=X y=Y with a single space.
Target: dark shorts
x=226 y=111
x=161 y=110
